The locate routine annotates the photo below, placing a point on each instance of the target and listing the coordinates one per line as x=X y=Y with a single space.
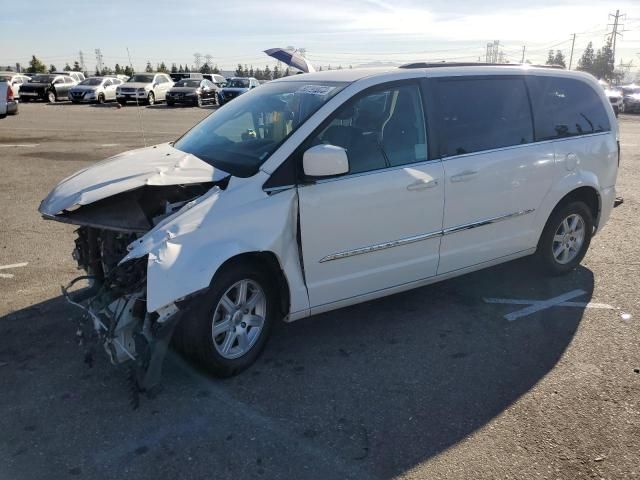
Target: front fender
x=185 y=252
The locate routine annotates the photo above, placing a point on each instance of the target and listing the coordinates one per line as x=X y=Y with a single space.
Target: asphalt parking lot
x=434 y=383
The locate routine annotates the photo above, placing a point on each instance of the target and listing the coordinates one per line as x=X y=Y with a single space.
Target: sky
x=333 y=32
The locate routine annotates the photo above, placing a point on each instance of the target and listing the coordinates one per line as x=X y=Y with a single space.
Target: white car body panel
x=365 y=213
x=158 y=165
x=3 y=98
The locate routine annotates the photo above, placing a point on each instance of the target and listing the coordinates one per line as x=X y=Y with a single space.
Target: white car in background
x=15 y=80
x=95 y=90
x=144 y=88
x=8 y=104
x=324 y=190
x=615 y=96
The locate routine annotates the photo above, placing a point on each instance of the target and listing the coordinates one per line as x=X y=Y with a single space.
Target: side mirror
x=325 y=161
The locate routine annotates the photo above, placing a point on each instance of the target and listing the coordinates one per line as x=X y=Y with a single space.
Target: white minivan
x=318 y=191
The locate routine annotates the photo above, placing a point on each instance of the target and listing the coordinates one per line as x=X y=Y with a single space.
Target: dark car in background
x=630 y=98
x=48 y=87
x=235 y=87
x=194 y=92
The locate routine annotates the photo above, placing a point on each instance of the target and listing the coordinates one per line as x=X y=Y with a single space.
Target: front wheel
x=230 y=325
x=101 y=99
x=198 y=102
x=566 y=238
x=51 y=96
x=151 y=99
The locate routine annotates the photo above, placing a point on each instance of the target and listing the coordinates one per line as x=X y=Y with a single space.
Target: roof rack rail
x=472 y=64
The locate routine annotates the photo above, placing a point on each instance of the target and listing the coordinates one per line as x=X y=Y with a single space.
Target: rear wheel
x=566 y=238
x=230 y=325
x=51 y=96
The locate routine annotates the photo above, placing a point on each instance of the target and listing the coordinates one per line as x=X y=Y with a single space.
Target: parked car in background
x=219 y=80
x=95 y=90
x=77 y=76
x=193 y=92
x=614 y=95
x=15 y=80
x=49 y=87
x=147 y=88
x=235 y=87
x=180 y=76
x=8 y=104
x=631 y=98
x=319 y=191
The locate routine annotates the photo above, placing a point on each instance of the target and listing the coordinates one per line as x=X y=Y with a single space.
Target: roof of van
x=430 y=69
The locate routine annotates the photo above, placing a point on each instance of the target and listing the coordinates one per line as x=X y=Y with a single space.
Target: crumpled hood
x=158 y=165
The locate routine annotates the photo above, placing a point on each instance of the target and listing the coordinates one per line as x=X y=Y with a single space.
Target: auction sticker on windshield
x=316 y=89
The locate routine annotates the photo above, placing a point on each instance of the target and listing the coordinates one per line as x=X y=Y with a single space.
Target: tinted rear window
x=483 y=114
x=566 y=107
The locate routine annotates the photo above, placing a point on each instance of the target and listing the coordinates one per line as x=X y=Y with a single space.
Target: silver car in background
x=95 y=90
x=147 y=88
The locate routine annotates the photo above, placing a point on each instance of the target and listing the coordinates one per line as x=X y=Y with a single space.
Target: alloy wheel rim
x=568 y=239
x=151 y=99
x=238 y=319
x=52 y=97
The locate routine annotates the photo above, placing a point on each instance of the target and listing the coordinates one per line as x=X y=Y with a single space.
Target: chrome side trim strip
x=488 y=221
x=381 y=246
x=421 y=237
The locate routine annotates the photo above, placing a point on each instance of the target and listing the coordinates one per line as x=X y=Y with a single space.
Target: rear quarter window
x=566 y=107
x=476 y=114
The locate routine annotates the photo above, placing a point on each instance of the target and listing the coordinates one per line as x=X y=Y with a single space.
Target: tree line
x=600 y=64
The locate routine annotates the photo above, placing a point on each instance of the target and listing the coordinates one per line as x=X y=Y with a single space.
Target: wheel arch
x=269 y=262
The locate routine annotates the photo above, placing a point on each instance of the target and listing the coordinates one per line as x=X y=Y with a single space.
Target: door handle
x=464 y=176
x=422 y=184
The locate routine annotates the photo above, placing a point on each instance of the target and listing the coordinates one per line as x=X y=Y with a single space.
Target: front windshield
x=188 y=83
x=43 y=78
x=92 y=81
x=238 y=83
x=240 y=137
x=141 y=78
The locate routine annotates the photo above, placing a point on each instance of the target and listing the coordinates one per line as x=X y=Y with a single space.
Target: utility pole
x=614 y=32
x=81 y=55
x=98 y=60
x=524 y=49
x=573 y=43
x=197 y=57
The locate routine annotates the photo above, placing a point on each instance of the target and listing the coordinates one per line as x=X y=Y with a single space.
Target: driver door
x=379 y=226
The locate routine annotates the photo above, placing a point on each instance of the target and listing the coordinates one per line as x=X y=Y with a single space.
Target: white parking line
x=29 y=145
x=14 y=265
x=109 y=144
x=538 y=305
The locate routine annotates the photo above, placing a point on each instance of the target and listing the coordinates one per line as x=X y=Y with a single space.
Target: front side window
x=384 y=128
x=477 y=114
x=240 y=137
x=566 y=107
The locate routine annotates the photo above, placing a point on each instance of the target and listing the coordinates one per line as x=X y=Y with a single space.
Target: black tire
x=546 y=244
x=151 y=99
x=4 y=115
x=198 y=101
x=51 y=97
x=195 y=330
x=122 y=102
x=100 y=98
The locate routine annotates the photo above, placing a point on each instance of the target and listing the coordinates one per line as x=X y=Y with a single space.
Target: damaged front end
x=115 y=302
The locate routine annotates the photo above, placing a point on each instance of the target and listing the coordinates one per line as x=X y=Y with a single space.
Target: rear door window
x=566 y=107
x=477 y=114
